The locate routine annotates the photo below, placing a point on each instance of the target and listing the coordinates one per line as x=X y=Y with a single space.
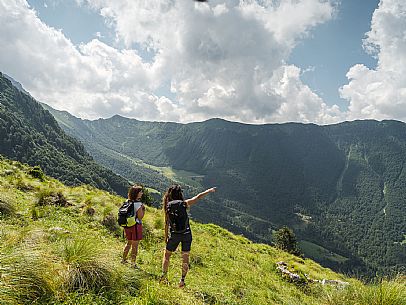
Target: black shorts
x=175 y=239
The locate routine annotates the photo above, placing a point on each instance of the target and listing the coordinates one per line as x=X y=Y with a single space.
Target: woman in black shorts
x=177 y=228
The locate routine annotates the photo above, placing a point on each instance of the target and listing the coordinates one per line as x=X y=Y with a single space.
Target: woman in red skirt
x=134 y=234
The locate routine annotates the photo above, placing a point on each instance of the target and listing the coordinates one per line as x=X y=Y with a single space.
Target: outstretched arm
x=199 y=196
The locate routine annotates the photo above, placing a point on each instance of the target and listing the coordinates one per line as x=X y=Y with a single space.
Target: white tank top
x=137 y=206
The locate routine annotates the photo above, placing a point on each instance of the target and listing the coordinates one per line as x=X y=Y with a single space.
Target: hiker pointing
x=177 y=228
x=130 y=217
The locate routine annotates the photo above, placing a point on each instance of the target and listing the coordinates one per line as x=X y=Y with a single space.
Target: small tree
x=146 y=197
x=285 y=239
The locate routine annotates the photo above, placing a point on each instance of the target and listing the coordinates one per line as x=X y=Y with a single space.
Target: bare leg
x=126 y=250
x=134 y=250
x=185 y=267
x=165 y=261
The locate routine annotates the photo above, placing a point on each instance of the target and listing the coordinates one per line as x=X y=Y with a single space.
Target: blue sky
x=331 y=48
x=250 y=61
x=335 y=47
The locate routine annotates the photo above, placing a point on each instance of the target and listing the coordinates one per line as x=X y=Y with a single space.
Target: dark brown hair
x=173 y=193
x=133 y=192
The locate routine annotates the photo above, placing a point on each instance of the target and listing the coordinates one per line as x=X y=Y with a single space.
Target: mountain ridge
x=340 y=187
x=30 y=134
x=289 y=169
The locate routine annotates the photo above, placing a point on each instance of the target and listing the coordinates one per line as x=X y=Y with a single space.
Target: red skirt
x=134 y=232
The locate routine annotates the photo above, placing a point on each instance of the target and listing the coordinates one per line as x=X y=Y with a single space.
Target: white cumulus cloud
x=219 y=59
x=91 y=80
x=380 y=93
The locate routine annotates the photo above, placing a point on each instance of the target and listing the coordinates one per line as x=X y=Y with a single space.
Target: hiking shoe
x=124 y=262
x=181 y=284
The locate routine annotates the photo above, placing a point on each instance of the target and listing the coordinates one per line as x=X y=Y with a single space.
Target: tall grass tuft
x=51 y=197
x=85 y=276
x=7 y=208
x=25 y=281
x=35 y=215
x=386 y=292
x=110 y=222
x=84 y=271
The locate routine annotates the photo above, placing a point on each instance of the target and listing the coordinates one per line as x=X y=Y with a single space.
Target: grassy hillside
x=340 y=187
x=61 y=245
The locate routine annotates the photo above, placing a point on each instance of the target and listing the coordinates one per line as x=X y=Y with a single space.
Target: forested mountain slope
x=340 y=187
x=30 y=134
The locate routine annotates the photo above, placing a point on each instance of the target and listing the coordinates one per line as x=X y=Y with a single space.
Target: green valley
x=340 y=187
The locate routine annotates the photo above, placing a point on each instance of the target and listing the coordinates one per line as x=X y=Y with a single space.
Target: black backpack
x=177 y=215
x=126 y=217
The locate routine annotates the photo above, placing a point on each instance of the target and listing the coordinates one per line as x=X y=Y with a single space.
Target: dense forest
x=341 y=187
x=30 y=134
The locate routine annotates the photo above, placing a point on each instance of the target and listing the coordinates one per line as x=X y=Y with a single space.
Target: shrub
x=79 y=250
x=146 y=197
x=147 y=232
x=36 y=172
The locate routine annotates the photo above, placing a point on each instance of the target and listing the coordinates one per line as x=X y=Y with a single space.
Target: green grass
x=320 y=253
x=65 y=254
x=385 y=292
x=181 y=176
x=7 y=206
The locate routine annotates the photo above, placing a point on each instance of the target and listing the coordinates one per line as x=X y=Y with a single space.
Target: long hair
x=173 y=193
x=133 y=192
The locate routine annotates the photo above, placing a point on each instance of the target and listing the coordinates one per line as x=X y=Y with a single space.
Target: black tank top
x=187 y=229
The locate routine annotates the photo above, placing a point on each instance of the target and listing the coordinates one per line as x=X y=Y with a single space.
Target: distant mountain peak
x=16 y=84
x=120 y=117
